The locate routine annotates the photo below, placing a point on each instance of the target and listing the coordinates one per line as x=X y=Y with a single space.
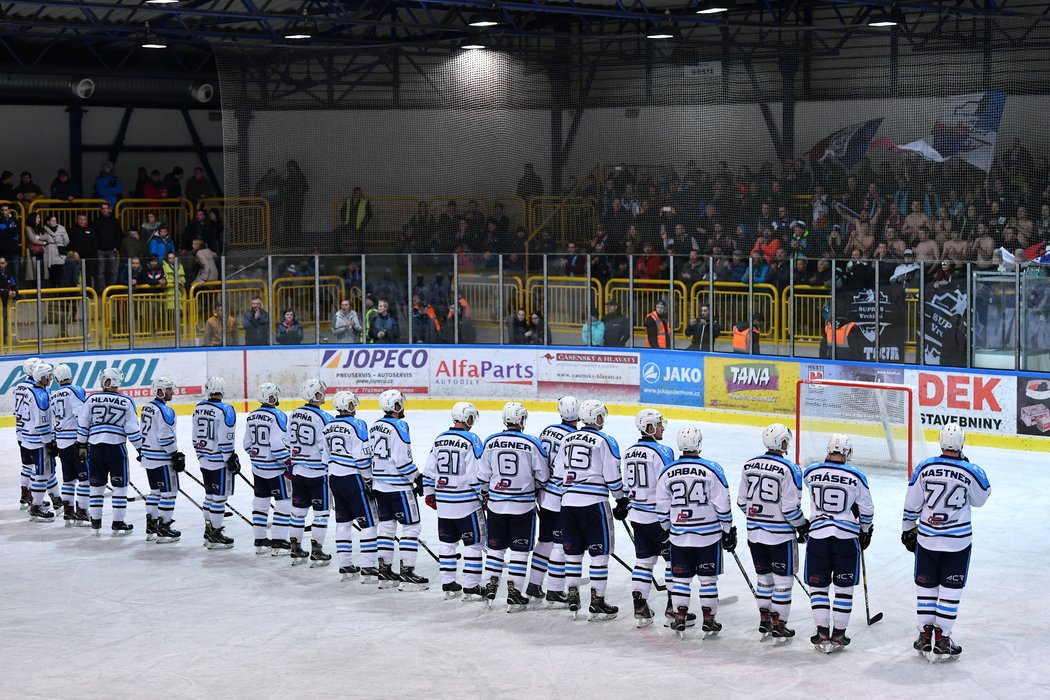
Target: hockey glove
x=665 y=545
x=802 y=532
x=233 y=463
x=367 y=487
x=729 y=540
x=417 y=485
x=82 y=452
x=865 y=538
x=623 y=506
x=52 y=449
x=431 y=501
x=910 y=539
x=178 y=461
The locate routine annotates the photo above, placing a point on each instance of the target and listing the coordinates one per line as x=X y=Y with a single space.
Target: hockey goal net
x=880 y=419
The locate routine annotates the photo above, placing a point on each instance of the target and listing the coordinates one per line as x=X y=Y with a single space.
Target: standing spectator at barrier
x=420 y=228
x=216 y=230
x=355 y=214
x=293 y=199
x=131 y=245
x=530 y=185
x=8 y=294
x=154 y=188
x=425 y=325
x=27 y=190
x=176 y=274
x=35 y=243
x=161 y=244
x=7 y=186
x=135 y=276
x=575 y=264
x=213 y=329
x=11 y=240
x=108 y=186
x=538 y=333
x=617 y=327
x=62 y=188
x=173 y=183
x=780 y=271
x=198 y=187
x=593 y=331
x=657 y=327
x=149 y=227
x=108 y=234
x=256 y=323
x=346 y=324
x=746 y=336
x=383 y=327
x=703 y=330
x=141 y=178
x=56 y=244
x=501 y=220
x=519 y=328
x=289 y=331
x=154 y=273
x=847 y=338
x=465 y=330
x=83 y=243
x=206 y=261
x=196 y=228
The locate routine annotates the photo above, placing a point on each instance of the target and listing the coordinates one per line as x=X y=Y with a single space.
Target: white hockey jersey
x=23 y=395
x=588 y=468
x=770 y=495
x=108 y=418
x=940 y=494
x=392 y=465
x=66 y=403
x=513 y=468
x=38 y=426
x=349 y=451
x=306 y=440
x=158 y=434
x=214 y=427
x=834 y=489
x=692 y=496
x=551 y=438
x=266 y=441
x=642 y=464
x=451 y=473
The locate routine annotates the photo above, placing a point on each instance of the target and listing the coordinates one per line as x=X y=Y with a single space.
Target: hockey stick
x=246 y=480
x=656 y=584
x=743 y=573
x=864 y=578
x=804 y=589
x=201 y=484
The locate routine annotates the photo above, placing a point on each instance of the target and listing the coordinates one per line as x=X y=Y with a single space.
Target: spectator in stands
x=83 y=243
x=915 y=219
x=293 y=199
x=206 y=261
x=746 y=336
x=575 y=265
x=213 y=329
x=173 y=183
x=703 y=330
x=27 y=190
x=530 y=184
x=154 y=187
x=11 y=240
x=463 y=327
x=657 y=327
x=108 y=186
x=354 y=215
x=141 y=178
x=256 y=322
x=926 y=250
x=759 y=269
x=149 y=227
x=161 y=244
x=955 y=248
x=8 y=293
x=177 y=274
x=216 y=229
x=154 y=274
x=56 y=246
x=519 y=328
x=383 y=327
x=834 y=246
x=538 y=333
x=131 y=245
x=198 y=187
x=593 y=330
x=289 y=331
x=780 y=271
x=346 y=324
x=425 y=325
x=767 y=245
x=7 y=186
x=692 y=270
x=196 y=228
x=649 y=265
x=501 y=220
x=134 y=276
x=617 y=327
x=907 y=272
x=798 y=242
x=420 y=228
x=62 y=187
x=35 y=244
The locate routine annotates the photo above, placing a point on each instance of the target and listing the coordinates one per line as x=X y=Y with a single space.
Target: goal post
x=881 y=420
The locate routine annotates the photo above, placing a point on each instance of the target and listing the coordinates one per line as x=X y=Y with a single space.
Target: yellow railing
x=809 y=304
x=568 y=299
x=483 y=293
x=204 y=296
x=176 y=213
x=67 y=211
x=297 y=294
x=567 y=218
x=153 y=309
x=247 y=221
x=62 y=315
x=646 y=294
x=730 y=305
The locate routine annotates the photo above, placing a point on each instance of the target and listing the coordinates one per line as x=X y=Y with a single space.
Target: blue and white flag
x=847 y=145
x=967 y=129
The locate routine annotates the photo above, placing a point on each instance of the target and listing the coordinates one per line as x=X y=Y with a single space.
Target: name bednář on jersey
x=451 y=474
x=940 y=495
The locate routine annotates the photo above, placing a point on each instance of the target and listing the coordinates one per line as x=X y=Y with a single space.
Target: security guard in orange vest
x=657 y=327
x=845 y=335
x=747 y=338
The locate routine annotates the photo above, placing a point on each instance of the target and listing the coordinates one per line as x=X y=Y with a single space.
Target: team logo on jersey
x=684 y=516
x=754 y=510
x=502 y=485
x=442 y=482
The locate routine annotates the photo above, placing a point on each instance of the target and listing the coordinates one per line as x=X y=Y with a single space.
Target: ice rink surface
x=107 y=617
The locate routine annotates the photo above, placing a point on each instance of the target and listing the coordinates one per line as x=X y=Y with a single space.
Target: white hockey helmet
x=161 y=385
x=465 y=412
x=952 y=438
x=593 y=412
x=268 y=394
x=111 y=378
x=312 y=390
x=648 y=420
x=391 y=401
x=345 y=401
x=43 y=372
x=63 y=374
x=215 y=385
x=515 y=413
x=839 y=443
x=27 y=366
x=776 y=437
x=690 y=439
x=569 y=408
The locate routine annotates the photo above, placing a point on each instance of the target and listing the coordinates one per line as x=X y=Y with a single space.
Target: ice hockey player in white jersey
x=395 y=484
x=106 y=424
x=66 y=403
x=548 y=557
x=162 y=461
x=265 y=443
x=841 y=521
x=23 y=394
x=309 y=474
x=937 y=528
x=214 y=427
x=349 y=477
x=450 y=487
x=770 y=495
x=38 y=440
x=512 y=471
x=692 y=501
x=642 y=464
x=588 y=471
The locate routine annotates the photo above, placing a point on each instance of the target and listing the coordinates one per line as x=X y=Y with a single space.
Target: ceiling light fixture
x=887 y=18
x=664 y=29
x=152 y=41
x=298 y=31
x=714 y=7
x=162 y=2
x=471 y=45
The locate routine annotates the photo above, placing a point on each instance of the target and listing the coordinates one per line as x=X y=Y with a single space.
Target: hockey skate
x=369 y=575
x=411 y=581
x=263 y=546
x=516 y=600
x=96 y=527
x=924 y=642
x=25 y=500
x=217 y=540
x=318 y=557
x=491 y=588
x=121 y=528
x=681 y=621
x=643 y=614
x=166 y=534
x=349 y=572
x=765 y=624
x=279 y=548
x=452 y=590
x=151 y=528
x=669 y=614
x=40 y=514
x=298 y=554
x=473 y=594
x=556 y=600
x=782 y=634
x=56 y=503
x=69 y=515
x=711 y=627
x=533 y=590
x=943 y=649
x=836 y=642
x=387 y=577
x=83 y=519
x=600 y=610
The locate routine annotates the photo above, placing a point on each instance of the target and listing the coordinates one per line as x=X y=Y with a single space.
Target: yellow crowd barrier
x=483 y=292
x=61 y=314
x=176 y=213
x=67 y=211
x=646 y=294
x=730 y=305
x=247 y=221
x=568 y=299
x=204 y=296
x=297 y=294
x=153 y=310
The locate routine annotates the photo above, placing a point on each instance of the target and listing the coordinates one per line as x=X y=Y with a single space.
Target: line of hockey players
x=489 y=495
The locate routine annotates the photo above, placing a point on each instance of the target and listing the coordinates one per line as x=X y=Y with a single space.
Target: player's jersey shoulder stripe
x=475 y=442
x=972 y=469
x=399 y=425
x=794 y=469
x=614 y=446
x=665 y=452
x=43 y=399
x=713 y=466
x=278 y=415
x=359 y=426
x=166 y=411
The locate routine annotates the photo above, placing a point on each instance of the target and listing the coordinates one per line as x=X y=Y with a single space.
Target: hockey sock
x=494 y=563
x=119 y=501
x=385 y=540
x=95 y=501
x=298 y=523
x=218 y=511
x=166 y=507
x=709 y=593
x=260 y=516
x=368 y=546
x=540 y=562
x=680 y=591
x=764 y=591
x=599 y=571
x=782 y=596
x=344 y=543
x=319 y=526
x=472 y=565
x=206 y=508
x=282 y=518
x=409 y=546
x=573 y=569
x=38 y=488
x=52 y=479
x=152 y=502
x=83 y=494
x=842 y=607
x=447 y=556
x=926 y=605
x=820 y=602
x=948 y=609
x=556 y=569
x=27 y=475
x=69 y=489
x=517 y=567
x=642 y=575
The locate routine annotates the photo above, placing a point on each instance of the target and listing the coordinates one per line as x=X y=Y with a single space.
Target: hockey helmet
x=111 y=378
x=312 y=390
x=27 y=366
x=465 y=412
x=63 y=375
x=690 y=439
x=43 y=373
x=391 y=401
x=648 y=421
x=515 y=413
x=776 y=437
x=569 y=408
x=345 y=401
x=952 y=438
x=215 y=386
x=839 y=443
x=162 y=387
x=268 y=394
x=593 y=412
